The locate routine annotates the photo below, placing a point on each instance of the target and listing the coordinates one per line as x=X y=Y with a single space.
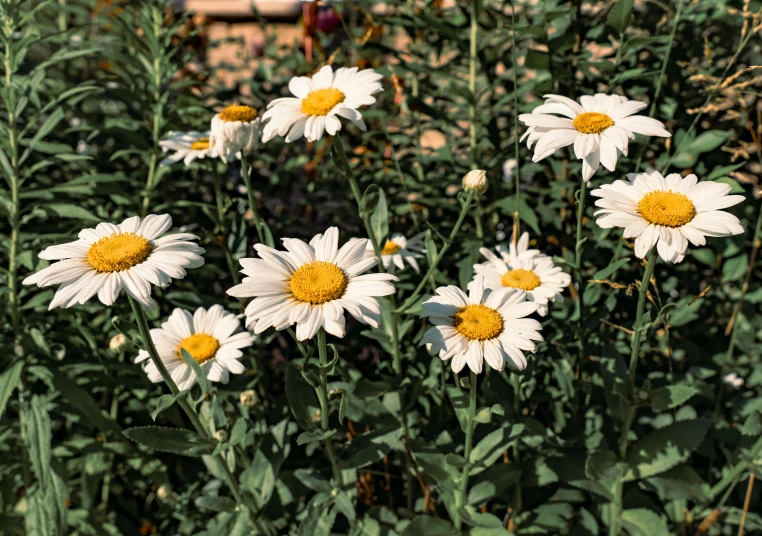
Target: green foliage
x=372 y=439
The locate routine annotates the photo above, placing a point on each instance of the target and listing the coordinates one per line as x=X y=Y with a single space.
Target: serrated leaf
x=314 y=435
x=670 y=396
x=619 y=15
x=9 y=380
x=644 y=522
x=665 y=448
x=174 y=440
x=492 y=446
x=379 y=220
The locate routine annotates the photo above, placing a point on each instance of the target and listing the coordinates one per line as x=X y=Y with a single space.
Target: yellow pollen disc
x=520 y=278
x=592 y=122
x=118 y=252
x=200 y=144
x=200 y=346
x=667 y=208
x=233 y=113
x=322 y=101
x=390 y=248
x=318 y=282
x=478 y=322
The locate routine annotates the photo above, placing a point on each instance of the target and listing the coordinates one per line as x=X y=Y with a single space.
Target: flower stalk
x=462 y=493
x=325 y=407
x=263 y=230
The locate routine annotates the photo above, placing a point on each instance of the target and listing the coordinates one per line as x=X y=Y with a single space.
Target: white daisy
x=212 y=337
x=535 y=274
x=235 y=129
x=667 y=212
x=485 y=325
x=110 y=257
x=319 y=101
x=398 y=250
x=311 y=285
x=187 y=146
x=600 y=128
x=519 y=251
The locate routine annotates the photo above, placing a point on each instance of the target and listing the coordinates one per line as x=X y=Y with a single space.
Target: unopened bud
x=249 y=398
x=475 y=181
x=164 y=492
x=117 y=342
x=220 y=435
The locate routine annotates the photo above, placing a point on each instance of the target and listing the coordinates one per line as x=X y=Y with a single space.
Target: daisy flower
x=131 y=256
x=212 y=337
x=319 y=101
x=398 y=250
x=520 y=250
x=667 y=212
x=535 y=274
x=187 y=146
x=235 y=129
x=485 y=325
x=600 y=128
x=311 y=285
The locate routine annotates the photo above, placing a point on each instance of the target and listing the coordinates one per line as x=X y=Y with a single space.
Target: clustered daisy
x=132 y=256
x=600 y=127
x=311 y=285
x=318 y=102
x=667 y=212
x=212 y=337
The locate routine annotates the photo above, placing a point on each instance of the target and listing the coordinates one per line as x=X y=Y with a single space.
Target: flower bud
x=249 y=398
x=164 y=492
x=475 y=181
x=117 y=342
x=220 y=435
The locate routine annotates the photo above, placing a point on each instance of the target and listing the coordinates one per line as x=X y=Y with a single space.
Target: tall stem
x=325 y=407
x=219 y=201
x=258 y=222
x=578 y=250
x=472 y=57
x=637 y=337
x=145 y=334
x=470 y=425
x=517 y=171
x=158 y=111
x=438 y=256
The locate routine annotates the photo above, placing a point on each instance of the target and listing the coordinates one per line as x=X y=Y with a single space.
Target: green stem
x=221 y=227
x=472 y=57
x=517 y=502
x=325 y=408
x=517 y=171
x=259 y=223
x=145 y=334
x=662 y=72
x=158 y=19
x=687 y=137
x=462 y=493
x=629 y=415
x=341 y=154
x=736 y=470
x=578 y=250
x=438 y=256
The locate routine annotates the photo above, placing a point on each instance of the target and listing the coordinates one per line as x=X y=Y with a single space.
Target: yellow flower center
x=318 y=282
x=118 y=252
x=200 y=346
x=520 y=278
x=592 y=122
x=322 y=101
x=200 y=144
x=233 y=113
x=390 y=248
x=667 y=208
x=478 y=322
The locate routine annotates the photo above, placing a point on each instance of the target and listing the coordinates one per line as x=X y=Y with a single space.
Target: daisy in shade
x=485 y=325
x=398 y=250
x=132 y=256
x=535 y=274
x=187 y=146
x=311 y=285
x=600 y=128
x=515 y=252
x=667 y=212
x=235 y=130
x=319 y=101
x=212 y=337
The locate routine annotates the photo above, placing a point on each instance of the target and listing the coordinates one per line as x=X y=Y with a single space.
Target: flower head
x=667 y=212
x=235 y=129
x=483 y=325
x=475 y=181
x=187 y=146
x=600 y=128
x=531 y=272
x=319 y=101
x=132 y=256
x=212 y=337
x=311 y=285
x=398 y=250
